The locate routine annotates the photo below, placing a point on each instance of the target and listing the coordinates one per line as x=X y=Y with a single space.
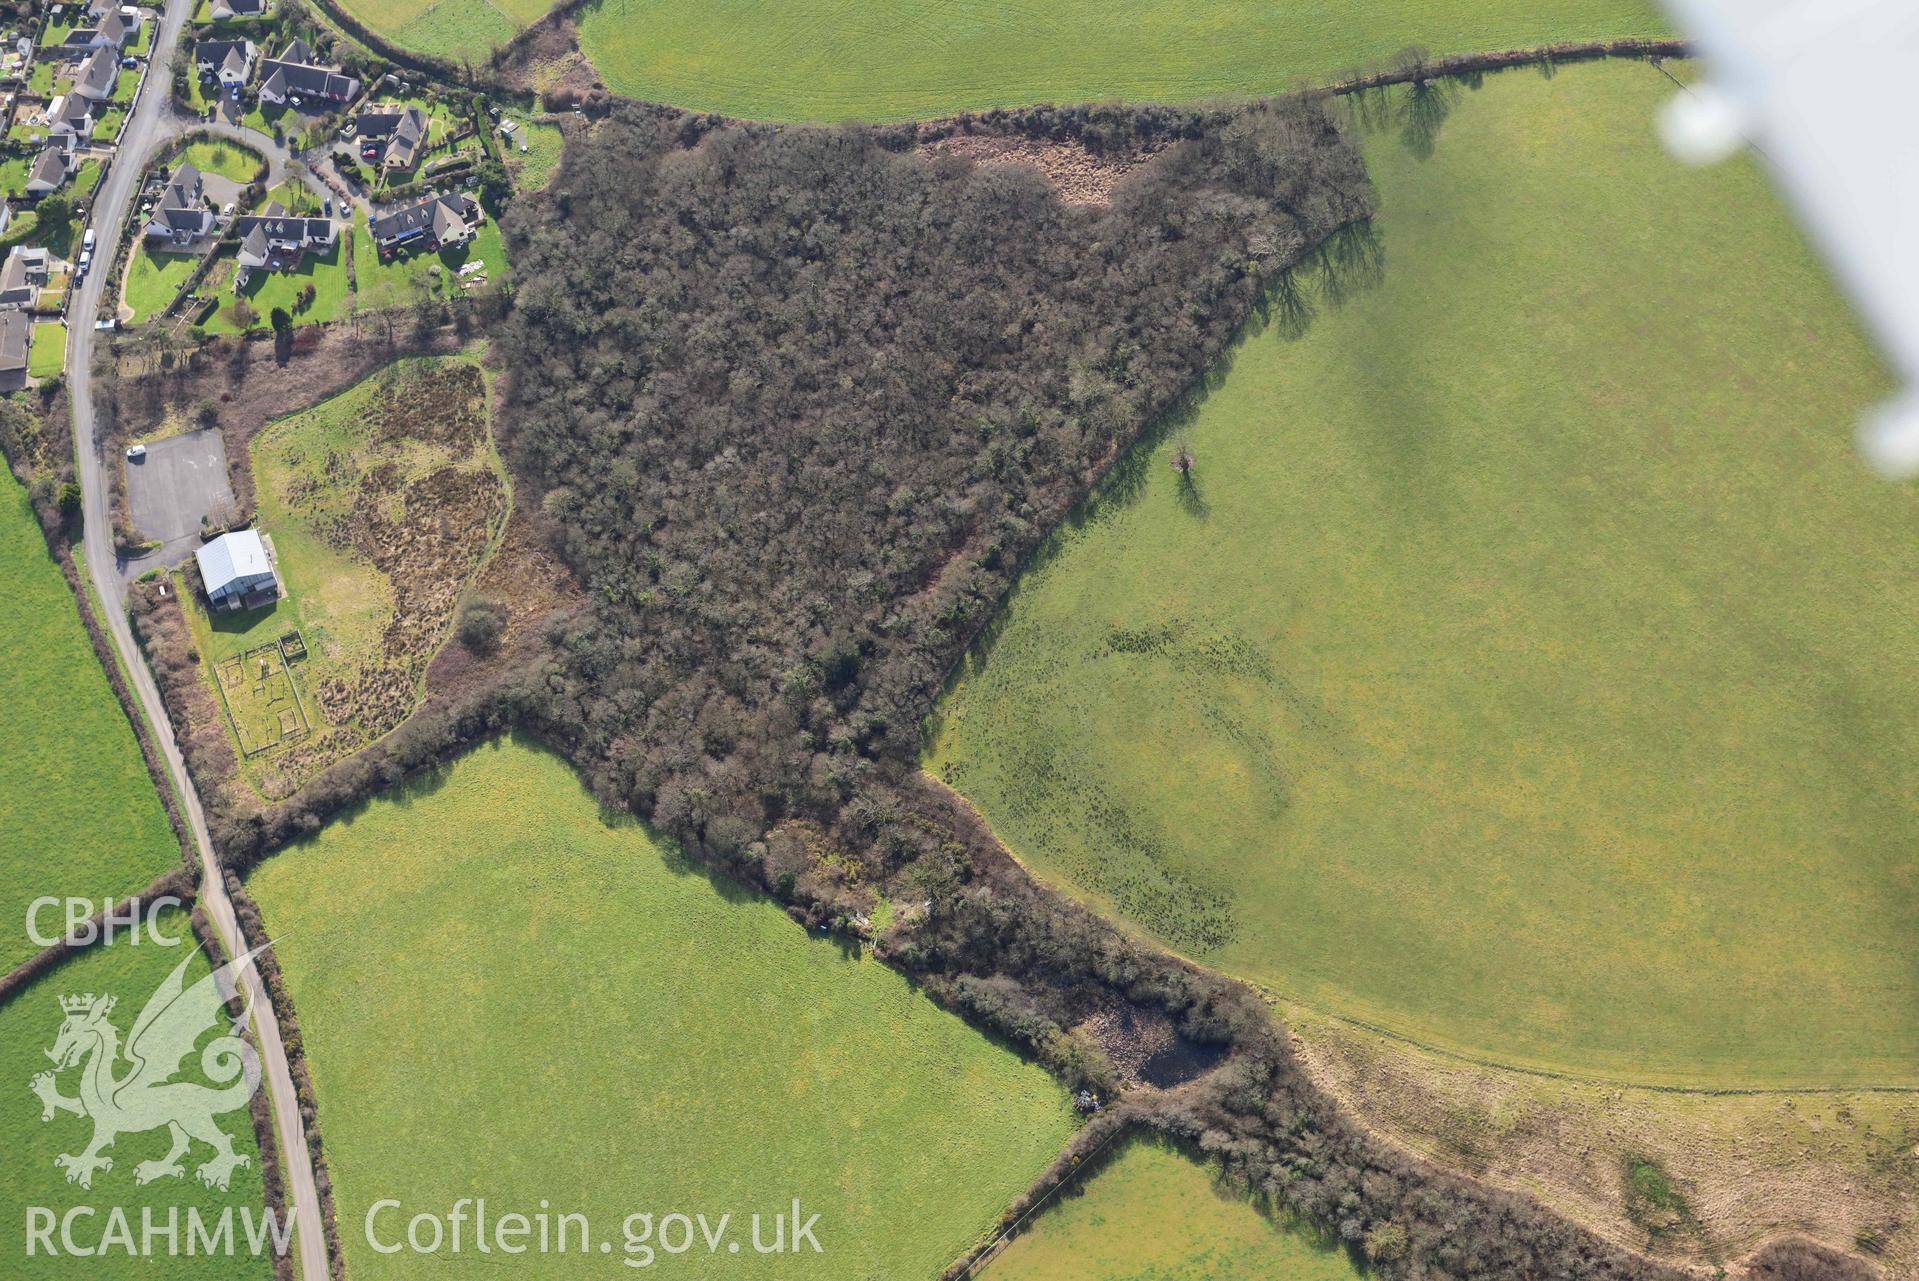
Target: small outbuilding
x=237 y=571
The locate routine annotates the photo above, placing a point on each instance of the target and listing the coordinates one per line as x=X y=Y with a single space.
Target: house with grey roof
x=236 y=570
x=70 y=116
x=49 y=170
x=182 y=215
x=23 y=275
x=399 y=131
x=228 y=61
x=273 y=240
x=238 y=9
x=293 y=75
x=110 y=32
x=97 y=75
x=16 y=335
x=437 y=222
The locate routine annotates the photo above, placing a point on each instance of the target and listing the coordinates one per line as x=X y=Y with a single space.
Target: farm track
x=148 y=127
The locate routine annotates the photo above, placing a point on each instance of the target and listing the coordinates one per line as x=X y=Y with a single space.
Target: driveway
x=181 y=479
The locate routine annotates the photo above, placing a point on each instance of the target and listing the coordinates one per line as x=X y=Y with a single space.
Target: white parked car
x=136 y=452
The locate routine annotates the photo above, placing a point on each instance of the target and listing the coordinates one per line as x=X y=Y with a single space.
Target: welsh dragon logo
x=147 y=1095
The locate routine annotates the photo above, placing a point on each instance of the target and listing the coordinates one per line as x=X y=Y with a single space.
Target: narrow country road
x=150 y=124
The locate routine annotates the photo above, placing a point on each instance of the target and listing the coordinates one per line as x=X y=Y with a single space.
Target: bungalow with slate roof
x=111 y=32
x=400 y=130
x=48 y=172
x=229 y=61
x=433 y=223
x=182 y=216
x=278 y=242
x=23 y=275
x=291 y=75
x=97 y=75
x=70 y=116
x=238 y=9
x=16 y=335
x=235 y=570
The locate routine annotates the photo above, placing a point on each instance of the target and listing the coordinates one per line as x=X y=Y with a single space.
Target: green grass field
x=902 y=59
x=1527 y=671
x=564 y=1009
x=1152 y=1213
x=78 y=813
x=218 y=156
x=29 y=1024
x=458 y=29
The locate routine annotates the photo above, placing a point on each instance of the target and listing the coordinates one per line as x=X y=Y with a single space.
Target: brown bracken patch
x=1079 y=176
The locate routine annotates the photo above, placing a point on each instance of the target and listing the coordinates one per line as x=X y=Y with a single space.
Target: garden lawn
x=401 y=281
x=153 y=279
x=909 y=59
x=1528 y=669
x=29 y=1022
x=13 y=175
x=536 y=165
x=266 y=290
x=503 y=992
x=227 y=159
x=1150 y=1211
x=47 y=355
x=78 y=812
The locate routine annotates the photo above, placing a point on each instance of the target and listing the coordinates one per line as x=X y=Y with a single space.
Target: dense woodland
x=800 y=404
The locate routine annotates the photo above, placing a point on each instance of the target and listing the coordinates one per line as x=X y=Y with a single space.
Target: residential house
x=235 y=570
x=228 y=61
x=16 y=334
x=277 y=241
x=23 y=275
x=238 y=9
x=434 y=223
x=49 y=170
x=70 y=116
x=294 y=75
x=182 y=215
x=110 y=32
x=97 y=75
x=399 y=133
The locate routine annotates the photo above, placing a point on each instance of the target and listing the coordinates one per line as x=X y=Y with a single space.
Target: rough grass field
x=1527 y=669
x=28 y=1177
x=1152 y=1213
x=78 y=813
x=381 y=503
x=565 y=1010
x=905 y=59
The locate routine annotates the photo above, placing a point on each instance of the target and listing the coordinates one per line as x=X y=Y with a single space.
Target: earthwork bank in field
x=78 y=813
x=505 y=993
x=1525 y=667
